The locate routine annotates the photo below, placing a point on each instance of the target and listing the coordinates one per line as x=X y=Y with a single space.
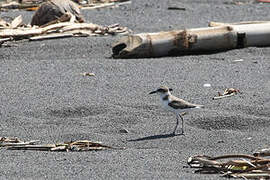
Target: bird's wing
x=177 y=103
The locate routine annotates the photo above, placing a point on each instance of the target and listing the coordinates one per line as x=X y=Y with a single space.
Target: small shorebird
x=174 y=104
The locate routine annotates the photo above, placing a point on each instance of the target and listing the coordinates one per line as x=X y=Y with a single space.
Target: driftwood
x=2 y=40
x=14 y=141
x=16 y=22
x=227 y=93
x=244 y=166
x=105 y=5
x=60 y=28
x=50 y=36
x=193 y=41
x=27 y=32
x=262 y=152
x=88 y=74
x=33 y=5
x=82 y=145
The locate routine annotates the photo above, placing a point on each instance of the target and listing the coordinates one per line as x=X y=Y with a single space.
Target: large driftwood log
x=175 y=42
x=193 y=41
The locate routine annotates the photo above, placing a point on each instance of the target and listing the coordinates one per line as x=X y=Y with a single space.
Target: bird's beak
x=153 y=92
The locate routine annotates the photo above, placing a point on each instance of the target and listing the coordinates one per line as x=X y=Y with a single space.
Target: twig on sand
x=176 y=8
x=87 y=74
x=223 y=96
x=227 y=93
x=14 y=141
x=104 y=5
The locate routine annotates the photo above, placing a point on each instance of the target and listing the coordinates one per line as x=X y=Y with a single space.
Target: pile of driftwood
x=60 y=28
x=81 y=145
x=254 y=166
x=32 y=5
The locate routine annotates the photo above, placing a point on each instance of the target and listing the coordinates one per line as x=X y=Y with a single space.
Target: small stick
x=32 y=147
x=223 y=96
x=59 y=148
x=18 y=143
x=235 y=156
x=214 y=24
x=5 y=39
x=176 y=8
x=50 y=36
x=87 y=74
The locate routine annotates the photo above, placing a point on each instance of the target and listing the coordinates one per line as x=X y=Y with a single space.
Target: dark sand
x=44 y=97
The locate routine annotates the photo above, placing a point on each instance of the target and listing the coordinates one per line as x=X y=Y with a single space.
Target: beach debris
x=60 y=28
x=80 y=145
x=227 y=93
x=262 y=152
x=33 y=5
x=14 y=141
x=206 y=85
x=50 y=36
x=124 y=131
x=54 y=9
x=176 y=8
x=88 y=74
x=3 y=40
x=15 y=23
x=242 y=166
x=221 y=37
x=238 y=60
x=97 y=4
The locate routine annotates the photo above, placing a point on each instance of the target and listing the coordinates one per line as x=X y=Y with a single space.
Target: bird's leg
x=182 y=123
x=177 y=122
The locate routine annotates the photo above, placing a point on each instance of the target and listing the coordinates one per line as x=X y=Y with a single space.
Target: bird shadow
x=160 y=136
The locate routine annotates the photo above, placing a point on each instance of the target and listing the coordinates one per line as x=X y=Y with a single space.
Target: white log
x=253 y=34
x=193 y=41
x=175 y=42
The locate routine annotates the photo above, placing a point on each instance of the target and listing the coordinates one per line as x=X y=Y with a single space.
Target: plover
x=174 y=104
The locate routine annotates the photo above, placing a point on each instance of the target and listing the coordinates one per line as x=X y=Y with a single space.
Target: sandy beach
x=43 y=96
